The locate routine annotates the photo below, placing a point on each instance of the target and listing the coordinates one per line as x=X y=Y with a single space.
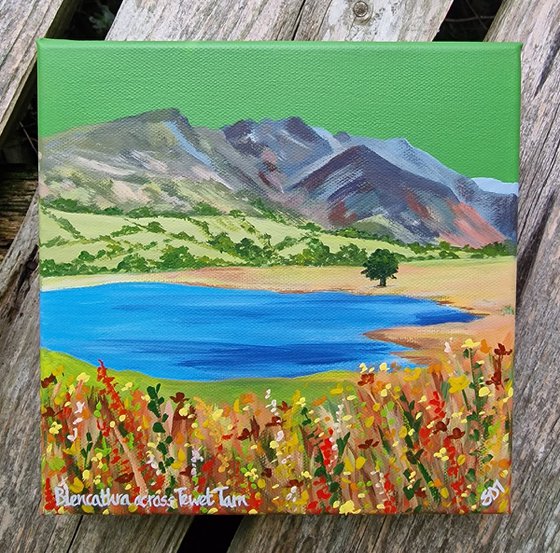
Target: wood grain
x=16 y=193
x=384 y=21
x=278 y=20
x=21 y=23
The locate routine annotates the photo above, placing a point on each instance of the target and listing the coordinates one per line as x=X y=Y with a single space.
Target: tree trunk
x=383 y=282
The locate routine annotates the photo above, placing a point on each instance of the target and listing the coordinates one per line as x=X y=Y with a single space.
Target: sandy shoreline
x=484 y=287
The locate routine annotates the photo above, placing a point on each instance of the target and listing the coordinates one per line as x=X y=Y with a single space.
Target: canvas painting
x=277 y=278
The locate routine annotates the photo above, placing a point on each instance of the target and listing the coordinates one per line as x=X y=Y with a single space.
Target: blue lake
x=200 y=333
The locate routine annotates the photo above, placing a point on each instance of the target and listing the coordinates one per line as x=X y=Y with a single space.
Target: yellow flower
x=470 y=344
x=55 y=428
x=82 y=377
x=458 y=383
x=337 y=390
x=360 y=462
x=348 y=507
x=216 y=415
x=412 y=374
x=76 y=486
x=484 y=391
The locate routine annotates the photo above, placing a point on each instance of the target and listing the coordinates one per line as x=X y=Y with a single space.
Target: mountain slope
x=358 y=183
x=158 y=159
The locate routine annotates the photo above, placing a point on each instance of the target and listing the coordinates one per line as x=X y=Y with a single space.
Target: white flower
x=196 y=456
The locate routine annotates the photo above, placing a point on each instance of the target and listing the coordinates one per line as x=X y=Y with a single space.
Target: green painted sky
x=457 y=101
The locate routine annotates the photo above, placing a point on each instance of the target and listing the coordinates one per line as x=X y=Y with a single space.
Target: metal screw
x=360 y=9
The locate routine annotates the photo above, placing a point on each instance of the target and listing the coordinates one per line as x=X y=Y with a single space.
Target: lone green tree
x=381 y=265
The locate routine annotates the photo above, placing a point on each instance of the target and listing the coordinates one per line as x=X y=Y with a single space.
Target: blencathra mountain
x=387 y=187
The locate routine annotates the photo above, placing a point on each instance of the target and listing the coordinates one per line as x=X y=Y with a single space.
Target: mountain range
x=387 y=187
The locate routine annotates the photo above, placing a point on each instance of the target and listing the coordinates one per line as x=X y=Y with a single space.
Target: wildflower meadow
x=384 y=439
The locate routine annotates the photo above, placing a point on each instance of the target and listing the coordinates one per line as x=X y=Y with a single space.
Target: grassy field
x=97 y=243
x=313 y=386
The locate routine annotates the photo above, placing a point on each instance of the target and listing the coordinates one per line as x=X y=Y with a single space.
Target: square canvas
x=277 y=277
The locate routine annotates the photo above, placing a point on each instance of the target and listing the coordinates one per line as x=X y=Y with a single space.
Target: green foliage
x=65 y=204
x=126 y=229
x=112 y=211
x=259 y=244
x=49 y=267
x=286 y=243
x=176 y=258
x=223 y=243
x=184 y=236
x=154 y=226
x=351 y=232
x=251 y=252
x=133 y=263
x=74 y=206
x=381 y=265
x=496 y=249
x=86 y=256
x=66 y=225
x=202 y=208
x=312 y=227
x=447 y=254
x=316 y=253
x=266 y=211
x=56 y=241
x=201 y=224
x=141 y=212
x=350 y=254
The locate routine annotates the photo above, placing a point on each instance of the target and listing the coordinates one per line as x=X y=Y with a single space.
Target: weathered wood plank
x=534 y=524
x=280 y=20
x=21 y=23
x=371 y=20
x=16 y=193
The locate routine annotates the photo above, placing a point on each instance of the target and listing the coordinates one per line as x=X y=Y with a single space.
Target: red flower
x=457 y=433
x=313 y=507
x=424 y=434
x=50 y=503
x=179 y=397
x=275 y=421
x=124 y=478
x=207 y=466
x=366 y=378
x=440 y=427
x=502 y=351
x=368 y=443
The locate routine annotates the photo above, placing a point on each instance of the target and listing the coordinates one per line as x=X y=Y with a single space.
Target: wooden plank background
x=21 y=23
x=534 y=525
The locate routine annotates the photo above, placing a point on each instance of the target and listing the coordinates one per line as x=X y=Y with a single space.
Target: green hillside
x=75 y=242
